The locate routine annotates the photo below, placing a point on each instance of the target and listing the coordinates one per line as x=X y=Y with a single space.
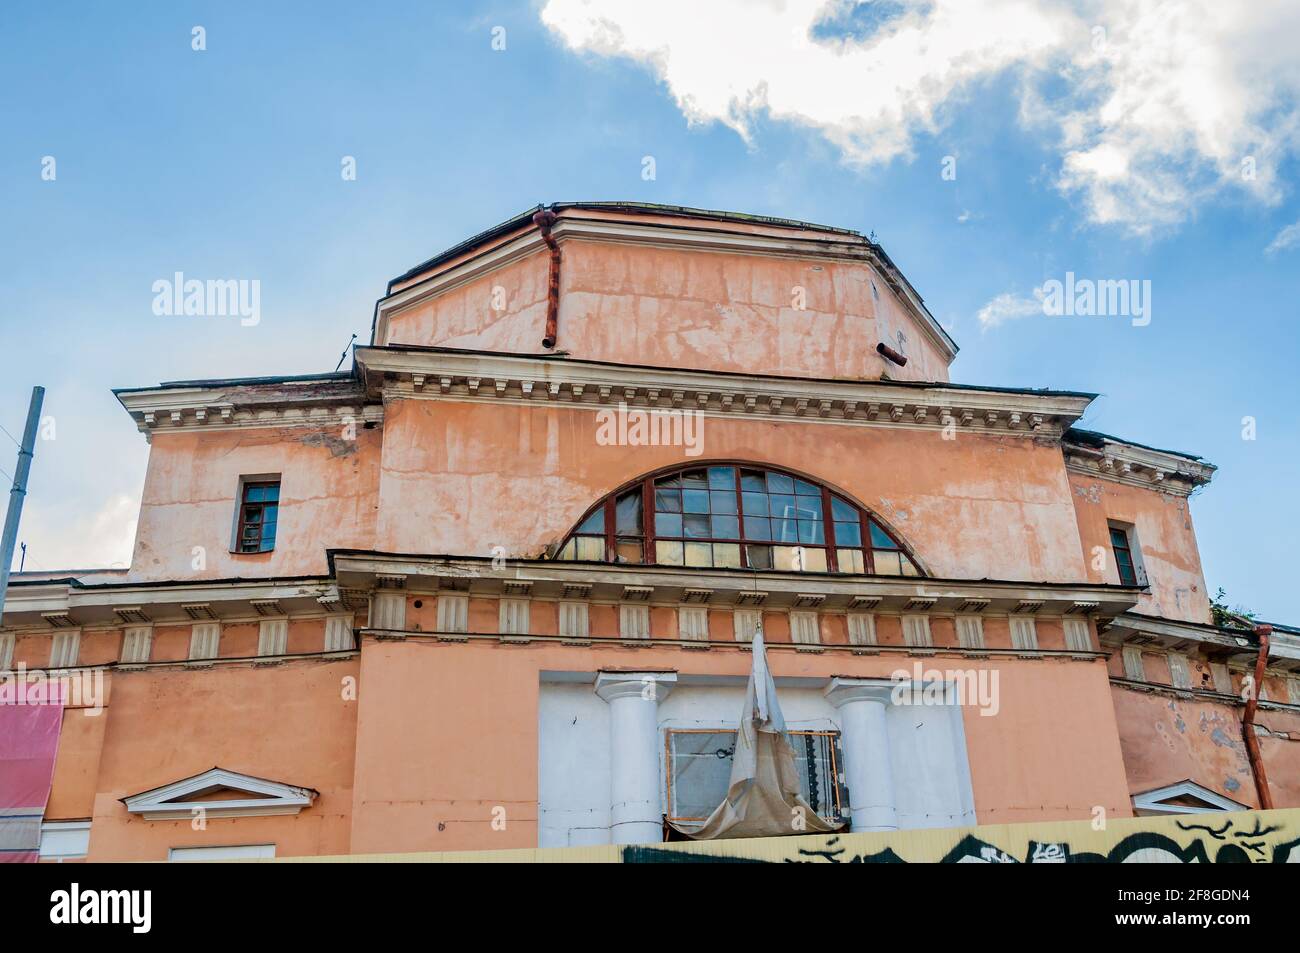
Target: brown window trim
x=648 y=538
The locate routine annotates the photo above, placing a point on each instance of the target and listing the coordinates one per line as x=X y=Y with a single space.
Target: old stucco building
x=493 y=586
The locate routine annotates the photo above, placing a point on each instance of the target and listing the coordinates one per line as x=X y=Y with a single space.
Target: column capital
x=653 y=686
x=843 y=691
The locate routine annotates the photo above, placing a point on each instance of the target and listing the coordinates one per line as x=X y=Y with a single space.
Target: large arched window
x=736 y=517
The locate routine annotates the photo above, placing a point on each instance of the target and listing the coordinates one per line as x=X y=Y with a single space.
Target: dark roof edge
x=684 y=211
x=1096 y=439
x=241 y=381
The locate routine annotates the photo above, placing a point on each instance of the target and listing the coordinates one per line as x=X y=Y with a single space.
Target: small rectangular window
x=1180 y=672
x=136 y=643
x=1024 y=633
x=745 y=623
x=970 y=631
x=862 y=628
x=259 y=507
x=1121 y=543
x=634 y=622
x=453 y=614
x=916 y=631
x=1133 y=668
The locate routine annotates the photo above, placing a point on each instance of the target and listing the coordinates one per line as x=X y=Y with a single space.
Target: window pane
x=668 y=501
x=887 y=563
x=668 y=553
x=699 y=554
x=1118 y=538
x=627 y=514
x=909 y=567
x=269 y=513
x=695 y=479
x=843 y=511
x=779 y=483
x=848 y=534
x=724 y=527
x=695 y=501
x=568 y=550
x=785 y=531
x=697 y=527
x=804 y=488
x=786 y=558
x=757 y=528
x=754 y=504
x=272 y=493
x=267 y=546
x=814 y=559
x=782 y=505
x=722 y=501
x=252 y=514
x=760 y=557
x=809 y=507
x=628 y=550
x=726 y=555
x=669 y=482
x=811 y=532
x=668 y=524
x=850 y=560
x=699 y=772
x=593 y=524
x=722 y=478
x=753 y=480
x=591 y=547
x=880 y=539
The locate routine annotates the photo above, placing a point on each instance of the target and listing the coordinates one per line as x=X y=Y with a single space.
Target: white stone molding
x=180 y=800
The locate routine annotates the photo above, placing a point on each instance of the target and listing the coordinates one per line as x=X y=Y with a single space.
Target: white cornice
x=716 y=239
x=234 y=407
x=470 y=376
x=1134 y=465
x=664 y=584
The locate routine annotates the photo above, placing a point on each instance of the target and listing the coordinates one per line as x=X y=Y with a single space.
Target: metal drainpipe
x=890 y=354
x=1262 y=632
x=544 y=220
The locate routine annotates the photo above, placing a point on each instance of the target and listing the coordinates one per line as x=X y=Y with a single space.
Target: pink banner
x=30 y=720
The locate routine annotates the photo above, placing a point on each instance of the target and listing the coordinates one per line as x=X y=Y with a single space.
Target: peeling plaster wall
x=1165 y=536
x=1167 y=739
x=467 y=477
x=636 y=304
x=328 y=496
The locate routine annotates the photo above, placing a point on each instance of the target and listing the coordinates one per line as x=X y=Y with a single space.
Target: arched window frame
x=646 y=484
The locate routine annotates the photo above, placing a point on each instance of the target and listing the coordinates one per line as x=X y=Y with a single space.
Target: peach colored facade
x=401 y=670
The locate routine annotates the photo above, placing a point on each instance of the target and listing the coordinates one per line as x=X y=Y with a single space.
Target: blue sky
x=226 y=162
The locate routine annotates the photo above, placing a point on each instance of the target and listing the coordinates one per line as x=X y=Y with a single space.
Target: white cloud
x=59 y=537
x=1289 y=237
x=1006 y=307
x=1154 y=105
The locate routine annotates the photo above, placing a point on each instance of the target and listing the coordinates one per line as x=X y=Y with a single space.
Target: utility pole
x=19 y=491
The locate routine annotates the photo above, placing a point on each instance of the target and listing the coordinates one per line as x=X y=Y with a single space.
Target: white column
x=636 y=816
x=862 y=703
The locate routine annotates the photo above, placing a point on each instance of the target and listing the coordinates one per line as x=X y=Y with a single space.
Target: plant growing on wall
x=1223 y=616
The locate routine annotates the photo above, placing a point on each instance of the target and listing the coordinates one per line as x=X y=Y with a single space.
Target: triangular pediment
x=219 y=792
x=1184 y=797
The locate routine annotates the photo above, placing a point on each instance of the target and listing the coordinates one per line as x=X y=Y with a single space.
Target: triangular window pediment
x=1185 y=797
x=219 y=793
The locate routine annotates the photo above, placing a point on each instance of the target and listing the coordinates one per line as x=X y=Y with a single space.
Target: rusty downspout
x=544 y=220
x=1262 y=632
